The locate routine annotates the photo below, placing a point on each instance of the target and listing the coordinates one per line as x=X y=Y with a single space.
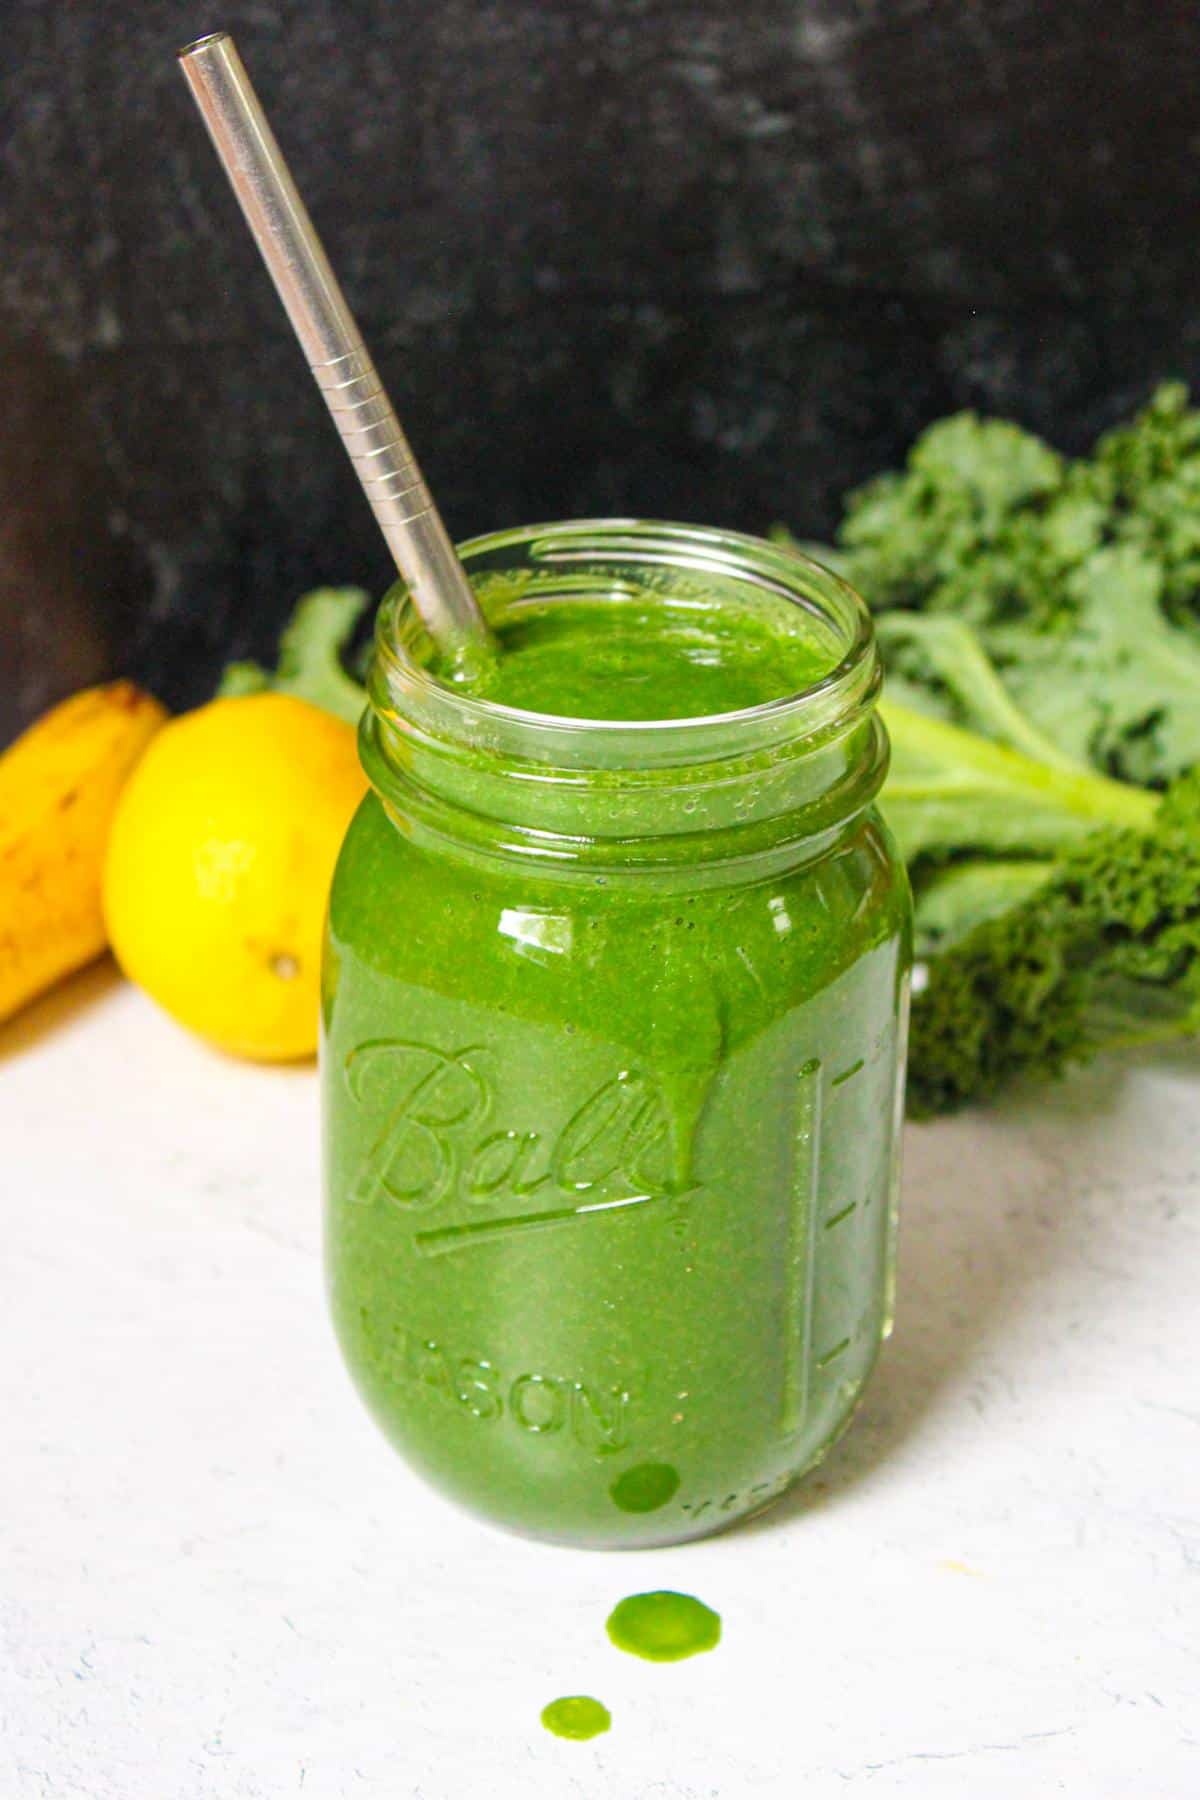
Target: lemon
x=219 y=865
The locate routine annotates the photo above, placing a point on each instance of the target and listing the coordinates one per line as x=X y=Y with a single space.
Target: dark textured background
x=699 y=260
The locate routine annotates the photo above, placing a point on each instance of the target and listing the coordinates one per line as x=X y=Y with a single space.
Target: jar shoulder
x=404 y=910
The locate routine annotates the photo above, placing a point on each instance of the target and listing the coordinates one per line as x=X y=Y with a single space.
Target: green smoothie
x=613 y=1036
x=593 y=659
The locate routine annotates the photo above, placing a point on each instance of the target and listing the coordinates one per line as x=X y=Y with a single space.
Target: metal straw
x=331 y=341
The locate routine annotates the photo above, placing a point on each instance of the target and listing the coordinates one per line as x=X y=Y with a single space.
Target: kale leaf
x=312 y=646
x=1080 y=581
x=1104 y=953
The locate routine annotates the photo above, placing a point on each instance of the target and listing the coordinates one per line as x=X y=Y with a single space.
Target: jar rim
x=402 y=685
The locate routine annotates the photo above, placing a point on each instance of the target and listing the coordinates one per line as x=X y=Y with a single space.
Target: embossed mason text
x=594 y=1415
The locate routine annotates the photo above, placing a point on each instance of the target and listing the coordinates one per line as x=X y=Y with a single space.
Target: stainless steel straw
x=331 y=341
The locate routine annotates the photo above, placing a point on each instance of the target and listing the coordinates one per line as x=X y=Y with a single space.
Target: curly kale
x=1103 y=953
x=980 y=820
x=1078 y=582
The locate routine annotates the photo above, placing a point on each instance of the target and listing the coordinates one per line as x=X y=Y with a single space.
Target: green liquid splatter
x=645 y=1487
x=664 y=1627
x=576 y=1716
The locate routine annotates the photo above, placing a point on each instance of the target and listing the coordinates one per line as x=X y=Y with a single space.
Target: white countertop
x=220 y=1584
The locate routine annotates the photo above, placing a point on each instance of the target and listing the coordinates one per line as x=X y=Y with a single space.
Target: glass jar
x=614 y=1022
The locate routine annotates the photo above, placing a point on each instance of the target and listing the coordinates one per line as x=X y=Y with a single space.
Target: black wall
x=701 y=260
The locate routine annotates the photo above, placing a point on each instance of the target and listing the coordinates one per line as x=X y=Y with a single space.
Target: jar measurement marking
x=802 y=1247
x=843 y=1214
x=831 y=1356
x=448 y=1238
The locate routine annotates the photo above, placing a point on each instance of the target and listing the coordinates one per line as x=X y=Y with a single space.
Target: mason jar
x=613 y=1043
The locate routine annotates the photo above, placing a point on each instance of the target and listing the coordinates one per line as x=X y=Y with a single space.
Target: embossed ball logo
x=436 y=1141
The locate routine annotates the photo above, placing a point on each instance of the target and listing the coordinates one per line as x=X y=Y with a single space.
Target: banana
x=58 y=791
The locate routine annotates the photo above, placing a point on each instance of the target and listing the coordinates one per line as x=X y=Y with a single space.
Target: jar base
x=684 y=1533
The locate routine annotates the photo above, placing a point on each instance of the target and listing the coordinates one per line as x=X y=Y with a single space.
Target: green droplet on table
x=664 y=1627
x=576 y=1716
